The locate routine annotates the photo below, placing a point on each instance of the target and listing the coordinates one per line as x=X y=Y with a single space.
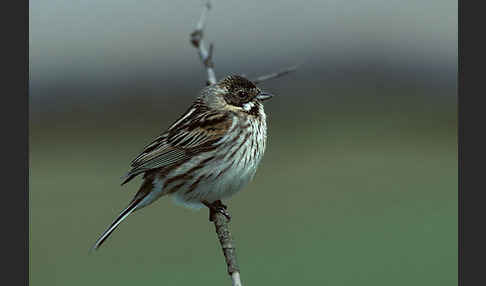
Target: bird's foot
x=217 y=207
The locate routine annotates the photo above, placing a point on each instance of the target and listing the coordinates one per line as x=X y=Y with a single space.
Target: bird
x=208 y=154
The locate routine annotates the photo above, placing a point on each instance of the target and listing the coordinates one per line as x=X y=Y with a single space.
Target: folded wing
x=198 y=130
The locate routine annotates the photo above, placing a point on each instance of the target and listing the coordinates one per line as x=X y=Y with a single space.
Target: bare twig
x=197 y=41
x=220 y=222
x=228 y=247
x=283 y=72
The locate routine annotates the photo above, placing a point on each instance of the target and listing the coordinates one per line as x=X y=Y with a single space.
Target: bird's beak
x=264 y=96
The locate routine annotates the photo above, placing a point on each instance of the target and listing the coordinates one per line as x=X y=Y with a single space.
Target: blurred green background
x=359 y=180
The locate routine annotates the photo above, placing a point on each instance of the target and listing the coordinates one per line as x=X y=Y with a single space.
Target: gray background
x=359 y=181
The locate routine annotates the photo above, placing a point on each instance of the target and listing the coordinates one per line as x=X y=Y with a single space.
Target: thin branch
x=283 y=72
x=220 y=222
x=197 y=41
x=228 y=247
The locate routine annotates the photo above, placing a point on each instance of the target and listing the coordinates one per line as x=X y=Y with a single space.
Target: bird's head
x=237 y=93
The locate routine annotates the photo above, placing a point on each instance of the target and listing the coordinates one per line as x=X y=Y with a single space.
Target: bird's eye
x=242 y=94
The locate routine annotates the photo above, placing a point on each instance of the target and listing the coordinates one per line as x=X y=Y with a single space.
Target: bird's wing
x=195 y=132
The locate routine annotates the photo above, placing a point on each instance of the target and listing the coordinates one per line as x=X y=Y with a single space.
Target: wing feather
x=198 y=130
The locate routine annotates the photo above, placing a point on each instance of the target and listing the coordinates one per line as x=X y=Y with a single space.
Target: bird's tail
x=126 y=212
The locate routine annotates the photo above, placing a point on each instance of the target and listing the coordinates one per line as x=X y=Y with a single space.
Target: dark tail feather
x=131 y=207
x=128 y=177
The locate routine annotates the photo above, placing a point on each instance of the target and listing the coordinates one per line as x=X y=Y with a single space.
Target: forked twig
x=220 y=222
x=206 y=57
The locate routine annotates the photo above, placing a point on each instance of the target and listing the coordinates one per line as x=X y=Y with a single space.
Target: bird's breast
x=228 y=168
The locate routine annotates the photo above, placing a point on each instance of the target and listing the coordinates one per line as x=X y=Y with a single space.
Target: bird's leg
x=217 y=207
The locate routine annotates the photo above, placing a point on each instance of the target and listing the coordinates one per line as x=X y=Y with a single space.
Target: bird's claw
x=217 y=207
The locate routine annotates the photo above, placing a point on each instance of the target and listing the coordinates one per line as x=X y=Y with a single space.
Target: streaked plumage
x=208 y=154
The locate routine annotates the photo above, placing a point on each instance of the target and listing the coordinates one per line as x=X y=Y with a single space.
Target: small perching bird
x=211 y=152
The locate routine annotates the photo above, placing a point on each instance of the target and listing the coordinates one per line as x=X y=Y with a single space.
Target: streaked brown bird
x=211 y=152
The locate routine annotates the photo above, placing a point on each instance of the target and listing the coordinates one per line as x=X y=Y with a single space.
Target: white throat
x=248 y=106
